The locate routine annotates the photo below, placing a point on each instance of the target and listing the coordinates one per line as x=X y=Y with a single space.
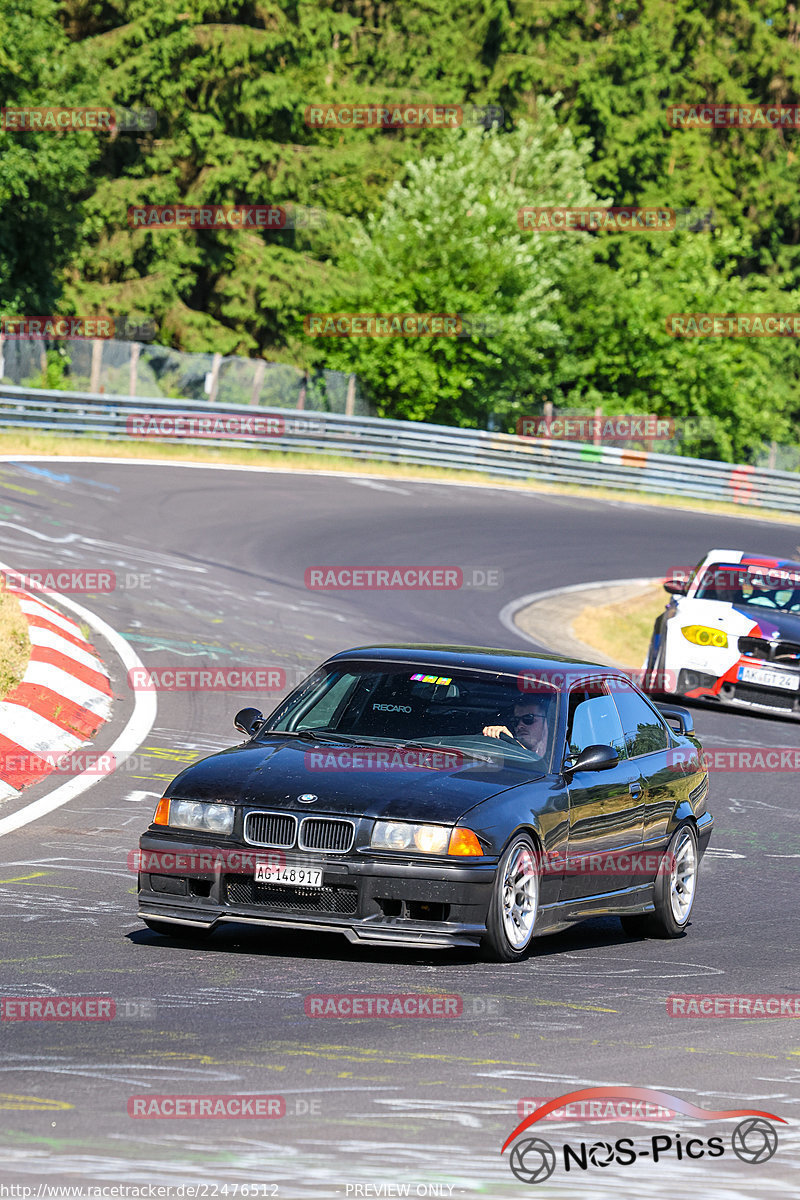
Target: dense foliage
x=424 y=220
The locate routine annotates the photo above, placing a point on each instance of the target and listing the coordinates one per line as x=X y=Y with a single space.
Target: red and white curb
x=63 y=699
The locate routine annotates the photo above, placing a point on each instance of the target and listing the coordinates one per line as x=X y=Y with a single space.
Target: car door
x=647 y=742
x=606 y=811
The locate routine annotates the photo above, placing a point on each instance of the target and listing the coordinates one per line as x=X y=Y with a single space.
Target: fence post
x=350 y=401
x=97 y=364
x=301 y=398
x=134 y=368
x=214 y=381
x=258 y=380
x=598 y=416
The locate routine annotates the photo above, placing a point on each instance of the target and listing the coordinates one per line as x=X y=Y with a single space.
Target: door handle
x=635 y=790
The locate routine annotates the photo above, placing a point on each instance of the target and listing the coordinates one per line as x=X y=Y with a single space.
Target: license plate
x=776 y=679
x=307 y=877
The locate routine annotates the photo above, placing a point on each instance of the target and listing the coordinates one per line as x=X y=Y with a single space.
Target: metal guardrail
x=81 y=414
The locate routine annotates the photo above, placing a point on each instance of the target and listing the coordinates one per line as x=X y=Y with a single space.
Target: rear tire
x=514 y=905
x=675 y=890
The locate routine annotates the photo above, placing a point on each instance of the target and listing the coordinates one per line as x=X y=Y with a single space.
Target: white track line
x=547 y=490
x=138 y=727
x=508 y=611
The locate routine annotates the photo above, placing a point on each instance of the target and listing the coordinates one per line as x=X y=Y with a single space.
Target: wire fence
x=117 y=367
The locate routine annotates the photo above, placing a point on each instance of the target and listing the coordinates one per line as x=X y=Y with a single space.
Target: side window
x=322 y=713
x=643 y=728
x=593 y=720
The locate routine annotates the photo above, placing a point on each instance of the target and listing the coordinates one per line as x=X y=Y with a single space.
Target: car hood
x=275 y=773
x=754 y=619
x=772 y=624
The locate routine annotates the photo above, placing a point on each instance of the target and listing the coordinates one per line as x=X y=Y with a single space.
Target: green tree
x=727 y=395
x=43 y=175
x=447 y=240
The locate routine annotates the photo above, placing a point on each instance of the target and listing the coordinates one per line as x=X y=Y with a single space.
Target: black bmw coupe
x=438 y=796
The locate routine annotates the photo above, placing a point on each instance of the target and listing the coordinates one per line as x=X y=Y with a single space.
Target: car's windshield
x=776 y=588
x=403 y=703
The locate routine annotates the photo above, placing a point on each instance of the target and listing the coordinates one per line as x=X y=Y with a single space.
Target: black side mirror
x=676 y=587
x=249 y=721
x=593 y=758
x=678 y=718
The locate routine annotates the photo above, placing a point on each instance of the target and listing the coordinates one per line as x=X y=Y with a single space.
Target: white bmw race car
x=731 y=633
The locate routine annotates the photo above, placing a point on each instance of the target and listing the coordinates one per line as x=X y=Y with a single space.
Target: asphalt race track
x=373 y=1106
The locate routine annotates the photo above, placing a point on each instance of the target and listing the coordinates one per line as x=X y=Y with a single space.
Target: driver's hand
x=495 y=731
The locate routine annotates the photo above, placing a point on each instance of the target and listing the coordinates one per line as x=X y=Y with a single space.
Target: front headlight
x=402 y=835
x=210 y=818
x=704 y=635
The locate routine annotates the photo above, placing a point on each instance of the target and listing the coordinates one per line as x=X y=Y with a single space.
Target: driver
x=762 y=591
x=529 y=725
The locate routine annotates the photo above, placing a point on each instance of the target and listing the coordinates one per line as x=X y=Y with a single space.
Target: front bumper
x=729 y=689
x=371 y=899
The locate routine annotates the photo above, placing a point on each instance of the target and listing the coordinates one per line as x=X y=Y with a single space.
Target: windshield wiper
x=318 y=735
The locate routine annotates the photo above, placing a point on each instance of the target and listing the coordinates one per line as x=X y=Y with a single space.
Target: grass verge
x=622 y=630
x=26 y=444
x=15 y=645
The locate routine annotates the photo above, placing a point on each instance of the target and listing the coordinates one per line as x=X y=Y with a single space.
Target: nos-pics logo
x=533 y=1159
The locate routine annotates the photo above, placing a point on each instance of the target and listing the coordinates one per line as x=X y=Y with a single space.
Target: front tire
x=514 y=905
x=675 y=889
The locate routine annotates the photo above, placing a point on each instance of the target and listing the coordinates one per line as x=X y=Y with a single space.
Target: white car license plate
x=307 y=877
x=776 y=679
